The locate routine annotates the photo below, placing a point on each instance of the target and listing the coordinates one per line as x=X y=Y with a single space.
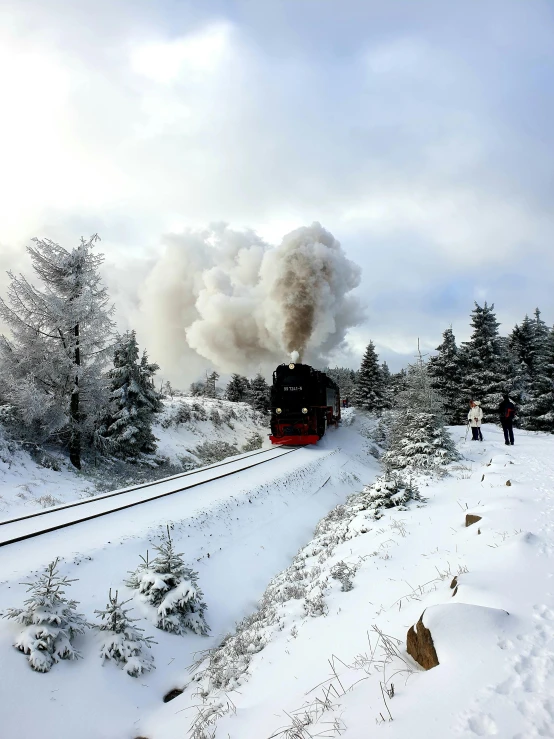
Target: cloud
x=420 y=134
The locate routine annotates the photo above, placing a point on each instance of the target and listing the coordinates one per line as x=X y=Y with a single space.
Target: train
x=304 y=402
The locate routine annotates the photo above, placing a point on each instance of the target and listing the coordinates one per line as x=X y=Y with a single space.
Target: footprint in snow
x=482 y=724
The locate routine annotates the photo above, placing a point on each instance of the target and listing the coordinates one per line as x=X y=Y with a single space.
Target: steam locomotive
x=304 y=401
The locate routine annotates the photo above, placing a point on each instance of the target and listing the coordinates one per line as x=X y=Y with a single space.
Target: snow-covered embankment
x=237 y=533
x=346 y=670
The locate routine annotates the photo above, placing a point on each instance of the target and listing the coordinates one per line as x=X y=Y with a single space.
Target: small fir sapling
x=171 y=587
x=391 y=490
x=121 y=641
x=50 y=620
x=417 y=437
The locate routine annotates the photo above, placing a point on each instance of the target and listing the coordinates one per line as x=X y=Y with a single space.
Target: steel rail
x=123 y=491
x=33 y=534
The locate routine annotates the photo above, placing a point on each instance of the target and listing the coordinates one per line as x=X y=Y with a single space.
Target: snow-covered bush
x=228 y=414
x=176 y=415
x=382 y=432
x=391 y=490
x=215 y=451
x=171 y=588
x=199 y=412
x=7 y=447
x=414 y=434
x=253 y=442
x=121 y=641
x=344 y=573
x=306 y=580
x=419 y=441
x=50 y=621
x=215 y=417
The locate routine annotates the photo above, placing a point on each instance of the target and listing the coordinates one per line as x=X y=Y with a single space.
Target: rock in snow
x=420 y=646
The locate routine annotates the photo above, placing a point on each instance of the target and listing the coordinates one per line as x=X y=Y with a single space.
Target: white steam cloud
x=243 y=305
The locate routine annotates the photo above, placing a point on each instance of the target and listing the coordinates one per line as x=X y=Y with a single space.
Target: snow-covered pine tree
x=418 y=438
x=544 y=409
x=522 y=343
x=197 y=389
x=388 y=387
x=532 y=344
x=259 y=394
x=121 y=641
x=345 y=379
x=127 y=430
x=369 y=390
x=167 y=390
x=171 y=588
x=238 y=388
x=51 y=367
x=210 y=388
x=446 y=376
x=399 y=384
x=50 y=621
x=486 y=375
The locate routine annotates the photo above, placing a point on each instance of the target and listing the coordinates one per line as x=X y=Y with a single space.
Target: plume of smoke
x=231 y=298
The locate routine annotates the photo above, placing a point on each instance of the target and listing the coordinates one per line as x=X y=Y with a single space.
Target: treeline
x=66 y=378
x=483 y=368
x=255 y=392
x=239 y=389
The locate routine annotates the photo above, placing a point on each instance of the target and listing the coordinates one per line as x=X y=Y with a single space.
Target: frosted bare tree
x=61 y=337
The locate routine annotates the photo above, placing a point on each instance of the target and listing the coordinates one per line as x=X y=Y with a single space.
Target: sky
x=419 y=134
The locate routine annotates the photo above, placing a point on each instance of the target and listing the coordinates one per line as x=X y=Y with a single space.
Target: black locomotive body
x=304 y=401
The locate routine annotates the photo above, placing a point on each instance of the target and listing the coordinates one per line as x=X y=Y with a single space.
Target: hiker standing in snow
x=475 y=418
x=507 y=411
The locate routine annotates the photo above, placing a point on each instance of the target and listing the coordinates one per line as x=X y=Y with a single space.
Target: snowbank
x=321 y=651
x=343 y=668
x=237 y=533
x=191 y=432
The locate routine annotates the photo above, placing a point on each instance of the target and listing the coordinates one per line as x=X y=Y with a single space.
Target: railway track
x=35 y=524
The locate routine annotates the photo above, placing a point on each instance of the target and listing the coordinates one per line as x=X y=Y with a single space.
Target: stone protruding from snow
x=459 y=632
x=420 y=646
x=471 y=518
x=454 y=585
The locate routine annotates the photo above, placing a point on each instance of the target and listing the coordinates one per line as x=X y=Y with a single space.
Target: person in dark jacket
x=507 y=411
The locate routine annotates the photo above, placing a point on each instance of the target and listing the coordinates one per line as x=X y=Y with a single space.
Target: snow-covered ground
x=237 y=533
x=185 y=424
x=326 y=661
x=328 y=675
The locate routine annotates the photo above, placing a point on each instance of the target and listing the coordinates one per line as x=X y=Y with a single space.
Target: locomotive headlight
x=304 y=410
x=278 y=410
x=291 y=366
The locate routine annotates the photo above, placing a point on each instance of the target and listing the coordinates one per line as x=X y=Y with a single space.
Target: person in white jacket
x=475 y=419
